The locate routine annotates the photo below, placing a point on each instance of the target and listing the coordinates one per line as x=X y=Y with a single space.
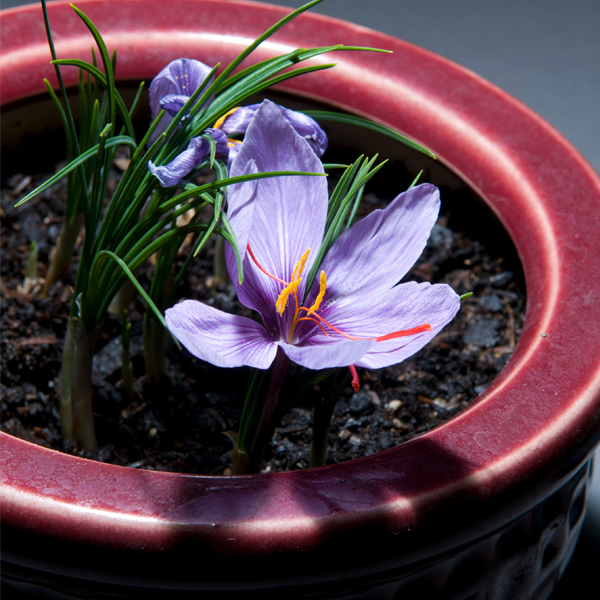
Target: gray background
x=546 y=53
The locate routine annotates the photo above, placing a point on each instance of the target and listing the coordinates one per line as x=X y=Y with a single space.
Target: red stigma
x=404 y=332
x=355 y=381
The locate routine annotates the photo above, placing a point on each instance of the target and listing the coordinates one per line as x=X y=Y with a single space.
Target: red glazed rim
x=544 y=407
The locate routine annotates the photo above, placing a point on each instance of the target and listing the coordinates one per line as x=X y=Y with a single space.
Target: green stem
x=122 y=298
x=60 y=258
x=81 y=388
x=252 y=461
x=126 y=365
x=320 y=437
x=66 y=410
x=219 y=266
x=155 y=349
x=322 y=421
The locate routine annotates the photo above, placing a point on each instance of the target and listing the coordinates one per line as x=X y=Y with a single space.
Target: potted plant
x=492 y=500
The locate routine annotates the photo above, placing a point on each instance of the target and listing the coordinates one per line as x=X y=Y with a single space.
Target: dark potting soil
x=179 y=425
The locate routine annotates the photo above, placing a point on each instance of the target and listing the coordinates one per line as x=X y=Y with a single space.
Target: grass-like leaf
x=324 y=115
x=113 y=142
x=124 y=112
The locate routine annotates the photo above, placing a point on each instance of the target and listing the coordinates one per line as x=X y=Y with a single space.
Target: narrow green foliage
x=343 y=205
x=415 y=180
x=124 y=112
x=31 y=267
x=323 y=115
x=255 y=392
x=106 y=61
x=322 y=417
x=126 y=365
x=89 y=154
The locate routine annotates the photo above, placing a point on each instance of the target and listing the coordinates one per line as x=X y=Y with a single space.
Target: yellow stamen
x=221 y=120
x=231 y=143
x=290 y=288
x=323 y=287
x=297 y=272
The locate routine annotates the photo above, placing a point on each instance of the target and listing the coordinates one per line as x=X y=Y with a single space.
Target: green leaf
x=267 y=34
x=133 y=280
x=106 y=61
x=416 y=179
x=124 y=112
x=115 y=141
x=324 y=115
x=343 y=206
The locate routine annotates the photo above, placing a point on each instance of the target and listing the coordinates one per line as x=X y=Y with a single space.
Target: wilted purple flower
x=237 y=120
x=172 y=88
x=198 y=149
x=354 y=313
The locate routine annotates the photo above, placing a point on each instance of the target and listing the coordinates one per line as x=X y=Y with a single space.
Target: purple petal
x=182 y=77
x=234 y=149
x=290 y=211
x=325 y=355
x=237 y=123
x=173 y=103
x=308 y=128
x=219 y=338
x=405 y=306
x=222 y=144
x=240 y=212
x=375 y=253
x=198 y=149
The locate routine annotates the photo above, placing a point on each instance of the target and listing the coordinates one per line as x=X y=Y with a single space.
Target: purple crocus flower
x=354 y=313
x=172 y=88
x=198 y=149
x=236 y=122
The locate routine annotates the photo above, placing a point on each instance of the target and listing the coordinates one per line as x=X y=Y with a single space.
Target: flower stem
x=66 y=410
x=63 y=251
x=322 y=421
x=81 y=388
x=122 y=298
x=219 y=266
x=76 y=414
x=155 y=349
x=126 y=365
x=248 y=456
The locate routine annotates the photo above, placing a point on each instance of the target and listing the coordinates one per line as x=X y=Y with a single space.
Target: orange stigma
x=219 y=122
x=291 y=289
x=355 y=382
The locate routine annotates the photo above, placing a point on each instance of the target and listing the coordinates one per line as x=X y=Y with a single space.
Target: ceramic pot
x=487 y=505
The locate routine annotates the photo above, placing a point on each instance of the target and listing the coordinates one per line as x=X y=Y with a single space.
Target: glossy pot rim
x=542 y=413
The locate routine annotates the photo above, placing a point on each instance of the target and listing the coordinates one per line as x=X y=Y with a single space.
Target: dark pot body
x=488 y=505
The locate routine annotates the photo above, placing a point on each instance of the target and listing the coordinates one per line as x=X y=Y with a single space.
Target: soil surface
x=179 y=426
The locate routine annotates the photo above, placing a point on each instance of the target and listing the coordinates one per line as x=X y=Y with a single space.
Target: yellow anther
x=221 y=120
x=297 y=272
x=322 y=288
x=231 y=143
x=283 y=297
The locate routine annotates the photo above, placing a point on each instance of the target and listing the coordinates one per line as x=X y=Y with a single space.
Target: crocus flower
x=354 y=313
x=172 y=88
x=236 y=122
x=198 y=149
